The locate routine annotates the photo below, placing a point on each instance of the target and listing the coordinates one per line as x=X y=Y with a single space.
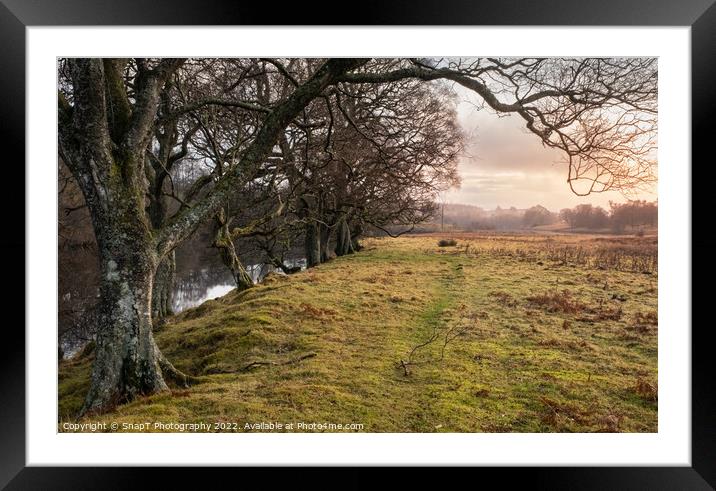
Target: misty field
x=497 y=333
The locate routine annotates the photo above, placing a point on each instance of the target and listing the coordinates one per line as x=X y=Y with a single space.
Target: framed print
x=449 y=235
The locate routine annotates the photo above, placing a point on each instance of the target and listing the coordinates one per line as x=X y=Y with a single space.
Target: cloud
x=506 y=165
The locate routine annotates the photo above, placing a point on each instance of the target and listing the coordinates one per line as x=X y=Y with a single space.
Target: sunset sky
x=506 y=165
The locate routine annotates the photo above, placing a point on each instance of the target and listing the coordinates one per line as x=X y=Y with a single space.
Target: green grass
x=584 y=361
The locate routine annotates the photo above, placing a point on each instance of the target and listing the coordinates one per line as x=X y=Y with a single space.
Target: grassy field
x=530 y=333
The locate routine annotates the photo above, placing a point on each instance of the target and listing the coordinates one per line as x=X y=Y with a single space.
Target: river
x=200 y=276
x=195 y=286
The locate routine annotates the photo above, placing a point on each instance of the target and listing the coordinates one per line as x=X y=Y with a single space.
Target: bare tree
x=105 y=127
x=601 y=112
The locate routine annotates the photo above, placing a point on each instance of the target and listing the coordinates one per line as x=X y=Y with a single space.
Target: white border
x=670 y=446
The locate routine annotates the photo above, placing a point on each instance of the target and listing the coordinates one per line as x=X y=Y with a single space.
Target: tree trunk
x=344 y=243
x=356 y=232
x=127 y=360
x=324 y=239
x=163 y=293
x=225 y=244
x=165 y=277
x=312 y=244
x=231 y=260
x=278 y=264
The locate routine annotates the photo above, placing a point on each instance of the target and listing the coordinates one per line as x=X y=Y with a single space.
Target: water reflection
x=196 y=286
x=200 y=277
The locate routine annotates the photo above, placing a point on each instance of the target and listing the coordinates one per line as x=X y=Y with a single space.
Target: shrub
x=648 y=318
x=447 y=242
x=557 y=302
x=646 y=390
x=504 y=298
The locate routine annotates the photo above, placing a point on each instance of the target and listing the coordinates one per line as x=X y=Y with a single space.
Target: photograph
x=451 y=235
x=357 y=245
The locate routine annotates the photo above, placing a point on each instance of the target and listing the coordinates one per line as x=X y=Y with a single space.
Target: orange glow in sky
x=506 y=165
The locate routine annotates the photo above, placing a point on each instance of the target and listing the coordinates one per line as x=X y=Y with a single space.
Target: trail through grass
x=543 y=345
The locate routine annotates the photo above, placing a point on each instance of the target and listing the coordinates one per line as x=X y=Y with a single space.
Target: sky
x=505 y=165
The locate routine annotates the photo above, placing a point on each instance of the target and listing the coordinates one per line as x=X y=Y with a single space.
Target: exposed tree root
x=170 y=372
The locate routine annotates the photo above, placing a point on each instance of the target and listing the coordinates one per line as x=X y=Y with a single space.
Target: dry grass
x=323 y=344
x=637 y=254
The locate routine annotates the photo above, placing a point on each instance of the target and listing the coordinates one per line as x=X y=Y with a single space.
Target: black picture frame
x=16 y=15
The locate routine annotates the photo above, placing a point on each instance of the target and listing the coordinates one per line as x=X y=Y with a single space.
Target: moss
x=74 y=381
x=515 y=366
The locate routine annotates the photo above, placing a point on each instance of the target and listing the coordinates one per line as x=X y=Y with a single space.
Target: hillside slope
x=535 y=344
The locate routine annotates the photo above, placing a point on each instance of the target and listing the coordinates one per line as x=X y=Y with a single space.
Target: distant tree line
x=468 y=217
x=620 y=217
x=585 y=216
x=632 y=215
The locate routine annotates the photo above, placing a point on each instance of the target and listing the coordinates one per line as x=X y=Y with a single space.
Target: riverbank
x=529 y=334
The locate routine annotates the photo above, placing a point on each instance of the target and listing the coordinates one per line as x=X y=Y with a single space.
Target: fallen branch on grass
x=450 y=334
